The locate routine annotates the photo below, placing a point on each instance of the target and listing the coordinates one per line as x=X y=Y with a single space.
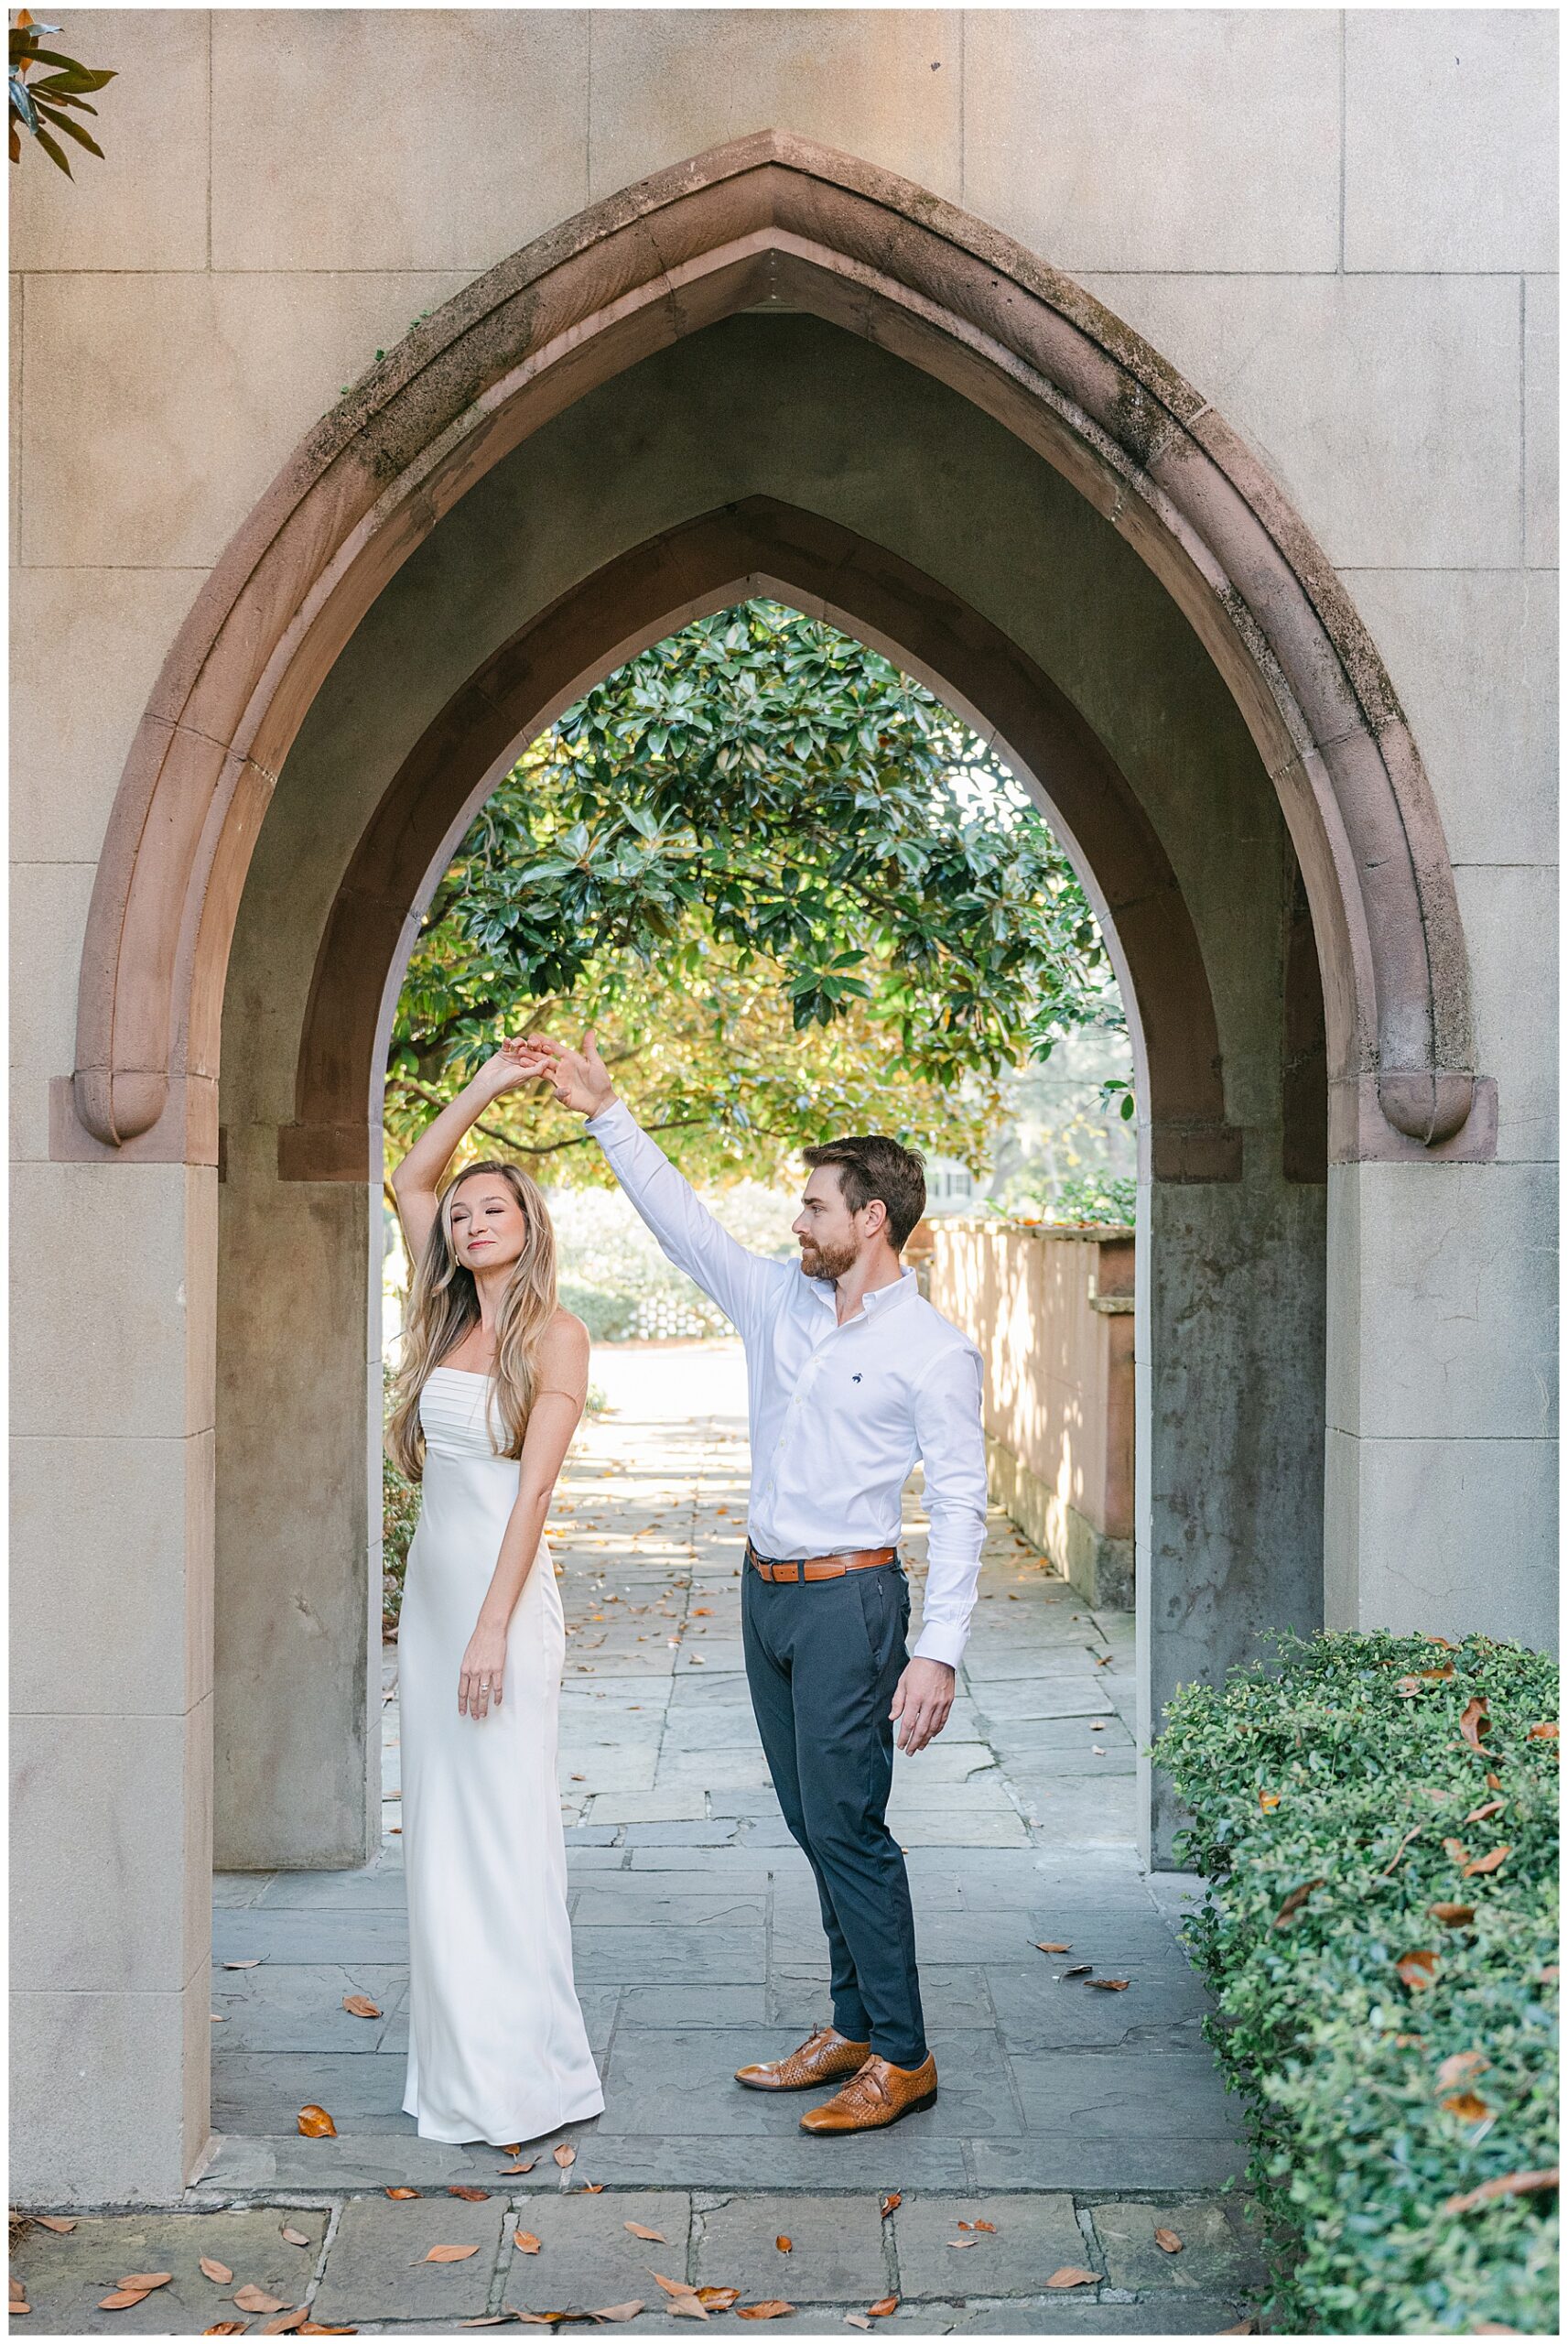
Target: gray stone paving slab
x=1031 y=2238
x=376 y=2267
x=788 y=2159
x=364 y=1890
x=362 y=2093
x=349 y=1934
x=606 y=1906
x=633 y=1955
x=68 y=2276
x=588 y=2258
x=837 y=2252
x=952 y=1996
x=1061 y=2315
x=298 y=2006
x=1072 y=2158
x=1036 y=2011
x=1216 y=2258
x=683 y=2006
x=1141 y=2091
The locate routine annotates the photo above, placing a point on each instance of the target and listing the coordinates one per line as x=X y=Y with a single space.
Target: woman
x=492 y=1382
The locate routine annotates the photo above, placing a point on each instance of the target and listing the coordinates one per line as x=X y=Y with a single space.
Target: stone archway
x=1230 y=1469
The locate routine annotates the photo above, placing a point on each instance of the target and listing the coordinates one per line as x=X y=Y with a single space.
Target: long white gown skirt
x=497 y=2049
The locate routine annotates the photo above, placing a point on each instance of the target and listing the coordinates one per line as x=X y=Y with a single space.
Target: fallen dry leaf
x=254 y=1963
x=1071 y=2275
x=982 y=2226
x=17 y=2290
x=56 y=2222
x=1407 y=1687
x=771 y=2309
x=146 y=2280
x=315 y=2328
x=526 y=2167
x=295 y=2238
x=1493 y=1782
x=719 y=2298
x=1474 y=1721
x=785 y=2245
x=1490 y=1862
x=679 y=2292
x=1268 y=1801
x=638 y=2231
x=1457 y=2066
x=315 y=2123
x=1242 y=2328
x=1457 y=1852
x=1489 y=1807
x=1452 y=1916
x=527 y=2244
x=462 y=2189
x=122 y=2299
x=1078 y=1970
x=1469 y=2107
x=230 y=2328
x=963 y=2241
x=1296 y=1900
x=1543 y=1732
x=402 y=2192
x=1048 y=1944
x=281 y=2327
x=885 y=2308
x=592 y=2189
x=1395 y=1859
x=1111 y=1985
x=1167 y=2242
x=254 y=2298
x=1506 y=2184
x=856 y=2319
x=361 y=2006
x=19 y=2305
x=1417 y=1969
x=893 y=2199
x=446 y=2254
x=619 y=2311
x=565 y=2154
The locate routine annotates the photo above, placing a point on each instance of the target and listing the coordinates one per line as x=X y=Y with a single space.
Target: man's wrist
x=610 y=1099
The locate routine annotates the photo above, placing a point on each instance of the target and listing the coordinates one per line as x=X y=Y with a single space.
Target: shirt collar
x=882 y=1298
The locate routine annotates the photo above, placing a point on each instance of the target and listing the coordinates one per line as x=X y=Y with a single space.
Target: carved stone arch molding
x=773 y=218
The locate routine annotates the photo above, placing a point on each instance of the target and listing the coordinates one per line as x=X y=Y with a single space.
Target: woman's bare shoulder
x=564 y=1340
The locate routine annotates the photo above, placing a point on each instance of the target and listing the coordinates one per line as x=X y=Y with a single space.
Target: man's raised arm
x=737 y=1280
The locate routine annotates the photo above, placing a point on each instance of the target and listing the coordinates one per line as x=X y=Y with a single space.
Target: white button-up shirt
x=839 y=1414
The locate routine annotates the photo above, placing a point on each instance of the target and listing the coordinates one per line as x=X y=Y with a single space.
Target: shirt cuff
x=606 y=1116
x=938 y=1643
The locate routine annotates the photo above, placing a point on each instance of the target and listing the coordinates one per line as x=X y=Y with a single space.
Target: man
x=853 y=1377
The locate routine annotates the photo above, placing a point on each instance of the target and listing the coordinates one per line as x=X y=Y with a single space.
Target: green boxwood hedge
x=1396 y=2056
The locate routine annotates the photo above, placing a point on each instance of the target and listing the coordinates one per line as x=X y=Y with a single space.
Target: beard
x=829 y=1262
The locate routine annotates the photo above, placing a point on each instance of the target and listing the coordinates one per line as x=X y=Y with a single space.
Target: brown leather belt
x=810 y=1567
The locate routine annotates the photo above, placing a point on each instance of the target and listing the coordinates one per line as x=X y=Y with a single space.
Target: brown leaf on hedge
x=1492 y=1861
x=315 y=2123
x=1473 y=1721
x=1489 y=1808
x=1493 y=1782
x=1417 y=1969
x=1452 y=1916
x=447 y=2254
x=1397 y=1856
x=1268 y=1800
x=771 y=2309
x=1546 y=1731
x=893 y=2199
x=402 y=2192
x=1505 y=2185
x=1457 y=2066
x=1468 y=2106
x=1072 y=2275
x=1407 y=1687
x=1456 y=1850
x=1296 y=1900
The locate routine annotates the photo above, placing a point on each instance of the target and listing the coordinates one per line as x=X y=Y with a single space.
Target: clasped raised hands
x=579 y=1079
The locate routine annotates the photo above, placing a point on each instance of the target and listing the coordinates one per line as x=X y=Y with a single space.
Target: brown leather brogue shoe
x=823 y=2055
x=878 y=2093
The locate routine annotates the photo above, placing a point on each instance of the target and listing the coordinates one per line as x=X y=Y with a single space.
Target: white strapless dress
x=497 y=2047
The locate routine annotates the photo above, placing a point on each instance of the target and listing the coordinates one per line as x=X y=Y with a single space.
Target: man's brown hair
x=878 y=1167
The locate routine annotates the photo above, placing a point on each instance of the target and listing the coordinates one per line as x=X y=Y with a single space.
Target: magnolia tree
x=791 y=891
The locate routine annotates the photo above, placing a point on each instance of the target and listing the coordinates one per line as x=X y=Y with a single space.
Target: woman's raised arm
x=417 y=1179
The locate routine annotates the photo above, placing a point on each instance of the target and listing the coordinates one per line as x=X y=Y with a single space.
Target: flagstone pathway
x=1077 y=2121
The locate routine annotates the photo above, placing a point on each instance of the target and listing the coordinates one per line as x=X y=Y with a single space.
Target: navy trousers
x=822 y=1657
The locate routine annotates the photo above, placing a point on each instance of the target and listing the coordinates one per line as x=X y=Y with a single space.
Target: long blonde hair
x=443 y=1304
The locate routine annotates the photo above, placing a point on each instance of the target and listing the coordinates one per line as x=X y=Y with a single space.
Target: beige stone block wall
x=1058 y=1385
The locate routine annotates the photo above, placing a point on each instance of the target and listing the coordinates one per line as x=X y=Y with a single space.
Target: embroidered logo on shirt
x=854 y=1379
